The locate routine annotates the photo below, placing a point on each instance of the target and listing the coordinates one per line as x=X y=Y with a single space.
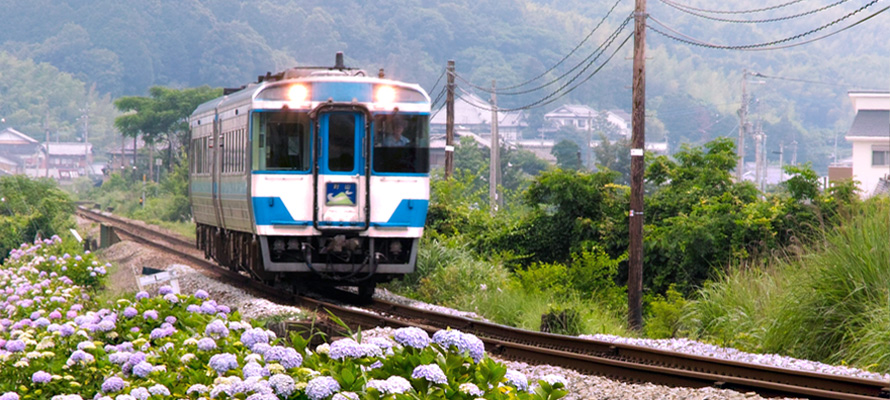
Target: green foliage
x=30 y=209
x=829 y=303
x=666 y=315
x=563 y=321
x=568 y=155
x=803 y=183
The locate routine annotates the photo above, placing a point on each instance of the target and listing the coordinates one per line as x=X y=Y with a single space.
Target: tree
x=614 y=156
x=568 y=155
x=163 y=116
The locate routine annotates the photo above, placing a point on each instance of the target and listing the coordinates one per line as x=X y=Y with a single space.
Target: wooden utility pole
x=637 y=166
x=743 y=115
x=449 y=121
x=494 y=163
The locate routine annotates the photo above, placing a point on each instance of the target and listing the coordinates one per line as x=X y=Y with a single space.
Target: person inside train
x=394 y=138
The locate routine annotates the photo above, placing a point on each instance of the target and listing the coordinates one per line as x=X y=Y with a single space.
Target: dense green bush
x=31 y=209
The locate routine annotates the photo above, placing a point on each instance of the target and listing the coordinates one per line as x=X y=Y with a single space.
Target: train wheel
x=366 y=291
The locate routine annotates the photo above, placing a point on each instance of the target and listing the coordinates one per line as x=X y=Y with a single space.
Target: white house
x=870 y=136
x=583 y=117
x=473 y=114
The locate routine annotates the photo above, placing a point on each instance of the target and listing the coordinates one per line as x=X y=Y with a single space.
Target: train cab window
x=286 y=141
x=401 y=143
x=341 y=136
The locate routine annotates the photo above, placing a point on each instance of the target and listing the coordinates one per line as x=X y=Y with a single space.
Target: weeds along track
x=618 y=361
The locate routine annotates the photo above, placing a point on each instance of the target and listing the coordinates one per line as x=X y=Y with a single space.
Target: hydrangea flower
x=206 y=344
x=286 y=356
x=397 y=385
x=113 y=384
x=345 y=348
x=217 y=329
x=165 y=290
x=150 y=314
x=430 y=372
x=15 y=346
x=345 y=396
x=197 y=388
x=252 y=369
x=253 y=336
x=411 y=337
x=140 y=393
x=282 y=384
x=80 y=357
x=142 y=369
x=201 y=294
x=9 y=396
x=223 y=362
x=470 y=389
x=516 y=379
x=141 y=295
x=322 y=387
x=159 y=390
x=463 y=342
x=41 y=377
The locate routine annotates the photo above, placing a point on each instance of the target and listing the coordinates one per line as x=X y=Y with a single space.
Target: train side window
x=287 y=140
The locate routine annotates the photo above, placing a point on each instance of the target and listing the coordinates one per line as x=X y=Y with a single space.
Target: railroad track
x=617 y=361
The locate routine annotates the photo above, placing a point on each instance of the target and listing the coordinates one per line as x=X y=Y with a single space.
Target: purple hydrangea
x=201 y=294
x=141 y=295
x=252 y=369
x=397 y=385
x=197 y=388
x=284 y=385
x=223 y=362
x=15 y=346
x=41 y=377
x=411 y=337
x=80 y=356
x=193 y=308
x=140 y=393
x=208 y=307
x=217 y=329
x=224 y=309
x=170 y=320
x=462 y=342
x=165 y=290
x=113 y=384
x=322 y=387
x=142 y=369
x=206 y=344
x=431 y=372
x=130 y=312
x=345 y=396
x=345 y=348
x=159 y=390
x=120 y=358
x=150 y=314
x=516 y=379
x=9 y=396
x=253 y=336
x=162 y=332
x=286 y=356
x=171 y=298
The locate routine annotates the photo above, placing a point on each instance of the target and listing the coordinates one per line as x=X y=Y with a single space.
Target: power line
x=570 y=53
x=433 y=89
x=741 y=11
x=781 y=78
x=752 y=21
x=595 y=55
x=768 y=45
x=550 y=98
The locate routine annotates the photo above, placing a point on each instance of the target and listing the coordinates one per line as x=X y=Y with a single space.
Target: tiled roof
x=870 y=123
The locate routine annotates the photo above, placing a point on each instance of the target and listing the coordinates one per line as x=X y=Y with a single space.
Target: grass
x=830 y=304
x=448 y=275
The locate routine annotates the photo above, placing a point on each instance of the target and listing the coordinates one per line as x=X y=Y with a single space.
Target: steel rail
x=619 y=361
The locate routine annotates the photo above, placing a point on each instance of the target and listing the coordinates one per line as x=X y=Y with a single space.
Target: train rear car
x=313 y=177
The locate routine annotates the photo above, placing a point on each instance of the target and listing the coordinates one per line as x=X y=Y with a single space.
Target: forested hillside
x=124 y=47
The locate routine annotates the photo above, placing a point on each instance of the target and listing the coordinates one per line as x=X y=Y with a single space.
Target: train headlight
x=298 y=93
x=386 y=94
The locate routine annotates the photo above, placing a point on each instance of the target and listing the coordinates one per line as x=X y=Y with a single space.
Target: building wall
x=863 y=170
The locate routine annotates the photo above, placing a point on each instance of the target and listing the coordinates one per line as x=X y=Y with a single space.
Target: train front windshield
x=401 y=143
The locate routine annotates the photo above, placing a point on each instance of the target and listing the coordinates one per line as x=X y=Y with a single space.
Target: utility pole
x=743 y=115
x=794 y=152
x=758 y=158
x=638 y=144
x=589 y=139
x=86 y=138
x=494 y=163
x=449 y=121
x=46 y=129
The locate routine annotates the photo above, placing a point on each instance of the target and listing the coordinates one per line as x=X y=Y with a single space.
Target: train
x=312 y=177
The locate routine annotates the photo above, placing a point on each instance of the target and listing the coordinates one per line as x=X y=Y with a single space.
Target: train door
x=214 y=144
x=342 y=183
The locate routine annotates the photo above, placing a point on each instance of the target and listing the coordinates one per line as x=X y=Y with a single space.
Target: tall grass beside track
x=830 y=303
x=448 y=275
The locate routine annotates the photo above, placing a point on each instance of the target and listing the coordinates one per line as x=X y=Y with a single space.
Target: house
x=473 y=114
x=870 y=136
x=582 y=117
x=18 y=152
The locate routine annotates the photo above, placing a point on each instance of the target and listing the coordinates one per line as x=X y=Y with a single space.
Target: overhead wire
x=564 y=58
x=595 y=55
x=439 y=79
x=561 y=91
x=767 y=45
x=759 y=75
x=753 y=21
x=742 y=11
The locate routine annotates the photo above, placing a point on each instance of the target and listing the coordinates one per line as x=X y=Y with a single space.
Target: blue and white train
x=313 y=176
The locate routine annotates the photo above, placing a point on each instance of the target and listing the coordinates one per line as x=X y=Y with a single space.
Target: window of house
x=880 y=155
